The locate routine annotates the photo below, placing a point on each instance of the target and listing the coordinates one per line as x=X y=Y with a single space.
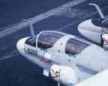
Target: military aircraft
x=99 y=79
x=95 y=29
x=63 y=57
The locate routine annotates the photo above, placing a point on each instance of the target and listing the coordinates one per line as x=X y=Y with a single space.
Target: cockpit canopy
x=75 y=46
x=46 y=40
x=100 y=22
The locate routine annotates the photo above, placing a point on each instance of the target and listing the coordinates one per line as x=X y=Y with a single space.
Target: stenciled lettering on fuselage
x=35 y=54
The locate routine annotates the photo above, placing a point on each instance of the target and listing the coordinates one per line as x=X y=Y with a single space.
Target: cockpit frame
x=48 y=31
x=58 y=41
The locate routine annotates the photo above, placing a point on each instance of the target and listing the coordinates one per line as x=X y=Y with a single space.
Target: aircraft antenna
x=98 y=10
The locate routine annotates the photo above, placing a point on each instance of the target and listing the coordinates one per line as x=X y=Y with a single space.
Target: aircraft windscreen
x=100 y=22
x=47 y=39
x=97 y=21
x=31 y=42
x=75 y=46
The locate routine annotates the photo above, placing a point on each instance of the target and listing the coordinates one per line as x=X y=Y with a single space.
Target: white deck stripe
x=21 y=25
x=11 y=54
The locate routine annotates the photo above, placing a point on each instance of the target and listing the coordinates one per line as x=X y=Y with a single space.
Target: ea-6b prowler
x=96 y=29
x=63 y=57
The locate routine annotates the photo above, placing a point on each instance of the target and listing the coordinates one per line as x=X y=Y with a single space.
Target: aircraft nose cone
x=20 y=45
x=90 y=31
x=84 y=26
